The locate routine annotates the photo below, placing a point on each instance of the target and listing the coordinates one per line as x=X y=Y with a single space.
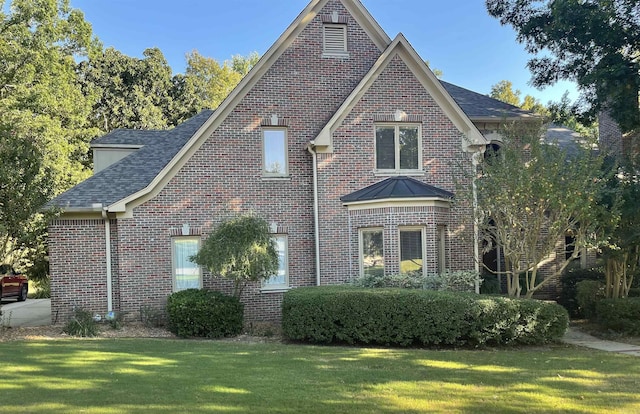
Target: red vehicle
x=12 y=284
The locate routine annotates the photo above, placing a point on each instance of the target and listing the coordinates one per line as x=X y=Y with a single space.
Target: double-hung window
x=274 y=150
x=411 y=250
x=371 y=252
x=186 y=274
x=398 y=148
x=280 y=280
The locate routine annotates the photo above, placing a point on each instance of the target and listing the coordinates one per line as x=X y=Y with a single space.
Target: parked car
x=12 y=284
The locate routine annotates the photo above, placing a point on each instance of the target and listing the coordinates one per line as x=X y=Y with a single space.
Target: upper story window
x=398 y=148
x=334 y=39
x=274 y=150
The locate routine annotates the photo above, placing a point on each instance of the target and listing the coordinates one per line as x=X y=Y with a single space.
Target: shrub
x=448 y=281
x=490 y=284
x=42 y=289
x=153 y=316
x=204 y=313
x=81 y=324
x=588 y=293
x=620 y=315
x=406 y=317
x=569 y=290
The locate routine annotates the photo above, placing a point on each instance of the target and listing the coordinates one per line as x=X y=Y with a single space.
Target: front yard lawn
x=189 y=376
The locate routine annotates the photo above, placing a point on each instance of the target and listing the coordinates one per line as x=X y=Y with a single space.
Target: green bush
x=204 y=313
x=417 y=317
x=588 y=293
x=490 y=284
x=42 y=289
x=448 y=281
x=569 y=290
x=81 y=324
x=620 y=315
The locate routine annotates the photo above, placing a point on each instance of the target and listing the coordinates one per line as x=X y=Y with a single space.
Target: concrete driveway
x=32 y=312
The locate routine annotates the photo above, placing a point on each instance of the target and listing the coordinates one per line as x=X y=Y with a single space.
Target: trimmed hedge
x=204 y=313
x=620 y=315
x=417 y=317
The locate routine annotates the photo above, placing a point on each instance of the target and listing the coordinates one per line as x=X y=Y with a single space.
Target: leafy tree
x=595 y=43
x=530 y=194
x=131 y=92
x=24 y=188
x=43 y=133
x=241 y=249
x=436 y=72
x=503 y=91
x=206 y=83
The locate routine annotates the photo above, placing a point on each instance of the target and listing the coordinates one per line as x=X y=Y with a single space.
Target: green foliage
x=242 y=249
x=503 y=91
x=531 y=195
x=81 y=324
x=448 y=281
x=42 y=289
x=569 y=289
x=153 y=316
x=594 y=43
x=204 y=313
x=619 y=315
x=588 y=294
x=490 y=284
x=130 y=92
x=409 y=317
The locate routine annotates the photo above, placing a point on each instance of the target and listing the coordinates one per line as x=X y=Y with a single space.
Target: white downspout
x=476 y=233
x=316 y=221
x=107 y=236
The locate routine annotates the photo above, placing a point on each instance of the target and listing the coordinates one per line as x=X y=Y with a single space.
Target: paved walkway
x=575 y=337
x=32 y=312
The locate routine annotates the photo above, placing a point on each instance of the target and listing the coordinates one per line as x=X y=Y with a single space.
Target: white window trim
x=266 y=174
x=286 y=285
x=396 y=147
x=334 y=52
x=360 y=246
x=173 y=260
x=423 y=238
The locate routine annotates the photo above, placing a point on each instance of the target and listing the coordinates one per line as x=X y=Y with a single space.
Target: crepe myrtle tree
x=241 y=249
x=530 y=195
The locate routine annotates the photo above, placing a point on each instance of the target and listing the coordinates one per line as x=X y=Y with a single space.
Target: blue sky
x=456 y=36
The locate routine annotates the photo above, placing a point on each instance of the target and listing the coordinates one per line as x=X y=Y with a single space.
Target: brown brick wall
x=351 y=167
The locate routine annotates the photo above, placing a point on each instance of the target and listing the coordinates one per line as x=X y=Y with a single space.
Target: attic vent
x=335 y=39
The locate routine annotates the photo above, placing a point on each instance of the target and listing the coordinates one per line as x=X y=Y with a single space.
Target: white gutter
x=476 y=233
x=107 y=236
x=316 y=221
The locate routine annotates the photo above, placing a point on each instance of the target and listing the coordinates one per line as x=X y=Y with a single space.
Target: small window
x=411 y=250
x=371 y=252
x=281 y=279
x=398 y=148
x=274 y=148
x=335 y=39
x=186 y=274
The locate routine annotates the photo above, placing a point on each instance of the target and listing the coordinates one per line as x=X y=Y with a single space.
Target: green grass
x=172 y=376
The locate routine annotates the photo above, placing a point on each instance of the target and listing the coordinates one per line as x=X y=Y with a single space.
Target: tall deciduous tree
x=530 y=194
x=593 y=42
x=43 y=136
x=242 y=249
x=130 y=92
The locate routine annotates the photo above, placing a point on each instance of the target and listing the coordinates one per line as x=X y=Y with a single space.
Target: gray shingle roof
x=128 y=137
x=476 y=105
x=396 y=187
x=134 y=172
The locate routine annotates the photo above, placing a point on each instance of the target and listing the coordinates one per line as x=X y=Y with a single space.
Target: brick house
x=341 y=137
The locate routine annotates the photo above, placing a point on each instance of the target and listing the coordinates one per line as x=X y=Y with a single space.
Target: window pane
x=385 y=148
x=275 y=159
x=408 y=142
x=280 y=278
x=372 y=253
x=410 y=251
x=186 y=273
